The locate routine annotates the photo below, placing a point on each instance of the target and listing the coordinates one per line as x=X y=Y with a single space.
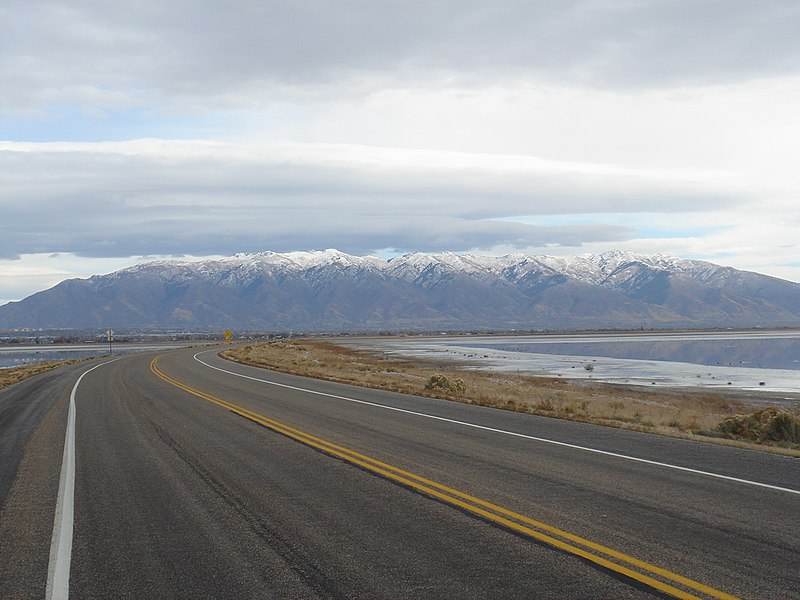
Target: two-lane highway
x=200 y=478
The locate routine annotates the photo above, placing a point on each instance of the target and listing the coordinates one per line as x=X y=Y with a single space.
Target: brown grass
x=680 y=414
x=17 y=374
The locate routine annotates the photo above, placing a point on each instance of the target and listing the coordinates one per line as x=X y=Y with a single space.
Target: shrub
x=765 y=425
x=454 y=385
x=545 y=404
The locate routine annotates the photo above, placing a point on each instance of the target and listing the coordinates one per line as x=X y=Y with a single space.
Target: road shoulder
x=26 y=518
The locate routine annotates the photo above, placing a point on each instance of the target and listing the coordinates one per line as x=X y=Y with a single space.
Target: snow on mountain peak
x=329 y=290
x=586 y=268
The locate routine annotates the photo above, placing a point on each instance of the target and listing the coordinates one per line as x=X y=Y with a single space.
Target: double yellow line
x=643 y=572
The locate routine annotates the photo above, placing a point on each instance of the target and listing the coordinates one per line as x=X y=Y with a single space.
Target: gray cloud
x=120 y=55
x=142 y=198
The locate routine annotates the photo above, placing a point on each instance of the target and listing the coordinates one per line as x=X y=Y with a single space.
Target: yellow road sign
x=228 y=336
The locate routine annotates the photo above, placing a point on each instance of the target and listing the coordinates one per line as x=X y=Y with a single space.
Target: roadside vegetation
x=14 y=375
x=765 y=426
x=703 y=416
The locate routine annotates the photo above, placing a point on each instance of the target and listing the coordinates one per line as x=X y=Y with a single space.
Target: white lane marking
x=504 y=432
x=61 y=542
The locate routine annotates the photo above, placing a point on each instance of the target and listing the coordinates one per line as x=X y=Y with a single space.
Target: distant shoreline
x=466 y=352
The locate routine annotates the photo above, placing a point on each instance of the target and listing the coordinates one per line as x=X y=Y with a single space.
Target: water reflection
x=772 y=353
x=18 y=359
x=15 y=356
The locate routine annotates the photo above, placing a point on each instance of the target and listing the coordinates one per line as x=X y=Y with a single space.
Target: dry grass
x=679 y=414
x=17 y=374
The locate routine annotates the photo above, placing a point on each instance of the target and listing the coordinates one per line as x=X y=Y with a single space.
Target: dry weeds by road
x=677 y=413
x=14 y=375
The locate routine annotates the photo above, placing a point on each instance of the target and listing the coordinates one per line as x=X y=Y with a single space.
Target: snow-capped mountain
x=331 y=290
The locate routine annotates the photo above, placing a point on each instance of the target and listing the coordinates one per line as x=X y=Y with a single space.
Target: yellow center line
x=474 y=505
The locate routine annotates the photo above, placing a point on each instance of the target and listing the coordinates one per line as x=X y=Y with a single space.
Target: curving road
x=199 y=478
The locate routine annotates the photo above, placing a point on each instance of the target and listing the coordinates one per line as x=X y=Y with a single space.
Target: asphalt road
x=278 y=493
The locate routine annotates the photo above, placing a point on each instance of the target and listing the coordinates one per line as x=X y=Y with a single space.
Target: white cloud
x=558 y=126
x=158 y=197
x=34 y=272
x=232 y=53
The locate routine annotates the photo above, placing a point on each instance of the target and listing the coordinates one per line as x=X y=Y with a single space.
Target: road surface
x=195 y=477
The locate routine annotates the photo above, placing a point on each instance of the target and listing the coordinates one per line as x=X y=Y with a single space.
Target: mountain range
x=333 y=291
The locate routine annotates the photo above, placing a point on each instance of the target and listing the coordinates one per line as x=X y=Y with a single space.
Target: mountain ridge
x=330 y=290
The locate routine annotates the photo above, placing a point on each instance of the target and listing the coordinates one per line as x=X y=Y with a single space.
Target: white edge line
x=511 y=433
x=61 y=542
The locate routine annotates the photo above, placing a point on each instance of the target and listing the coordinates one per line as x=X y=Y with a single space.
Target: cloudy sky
x=134 y=130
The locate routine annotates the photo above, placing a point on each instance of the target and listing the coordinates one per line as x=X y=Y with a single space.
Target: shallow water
x=16 y=356
x=751 y=361
x=736 y=350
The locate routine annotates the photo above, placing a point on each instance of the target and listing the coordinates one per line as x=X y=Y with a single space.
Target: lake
x=779 y=350
x=17 y=355
x=767 y=361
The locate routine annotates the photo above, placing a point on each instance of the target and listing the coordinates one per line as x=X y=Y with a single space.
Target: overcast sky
x=134 y=130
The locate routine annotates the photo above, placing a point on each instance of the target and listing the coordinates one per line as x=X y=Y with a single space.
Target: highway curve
x=198 y=478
